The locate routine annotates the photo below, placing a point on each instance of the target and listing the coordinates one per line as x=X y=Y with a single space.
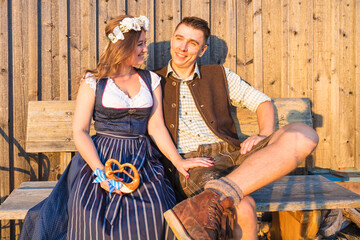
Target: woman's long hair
x=115 y=53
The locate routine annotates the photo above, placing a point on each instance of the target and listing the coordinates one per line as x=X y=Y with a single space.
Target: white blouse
x=114 y=97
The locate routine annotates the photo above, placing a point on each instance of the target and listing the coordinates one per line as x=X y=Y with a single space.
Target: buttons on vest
x=173 y=83
x=173 y=105
x=172 y=125
x=201 y=105
x=131 y=111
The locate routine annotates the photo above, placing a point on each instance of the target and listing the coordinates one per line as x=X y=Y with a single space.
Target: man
x=196 y=102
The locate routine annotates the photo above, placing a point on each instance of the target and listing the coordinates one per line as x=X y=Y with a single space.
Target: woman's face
x=138 y=56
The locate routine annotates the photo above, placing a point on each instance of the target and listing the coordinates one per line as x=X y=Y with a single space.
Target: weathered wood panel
x=347 y=85
x=357 y=82
x=4 y=114
x=272 y=39
x=27 y=195
x=292 y=193
x=289 y=193
x=50 y=122
x=322 y=66
x=307 y=48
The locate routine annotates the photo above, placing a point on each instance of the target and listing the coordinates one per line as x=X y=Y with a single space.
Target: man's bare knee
x=305 y=137
x=297 y=139
x=246 y=207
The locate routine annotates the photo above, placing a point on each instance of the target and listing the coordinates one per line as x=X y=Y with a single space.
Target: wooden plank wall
x=303 y=48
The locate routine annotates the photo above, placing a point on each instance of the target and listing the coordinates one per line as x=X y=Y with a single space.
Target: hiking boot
x=198 y=217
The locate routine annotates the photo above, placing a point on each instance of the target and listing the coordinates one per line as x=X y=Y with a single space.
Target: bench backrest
x=49 y=123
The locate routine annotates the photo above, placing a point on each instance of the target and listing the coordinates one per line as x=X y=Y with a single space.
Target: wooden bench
x=49 y=130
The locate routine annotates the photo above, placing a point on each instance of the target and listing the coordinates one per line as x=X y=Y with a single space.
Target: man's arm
x=242 y=94
x=266 y=118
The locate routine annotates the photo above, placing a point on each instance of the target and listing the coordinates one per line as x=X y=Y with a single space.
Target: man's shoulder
x=161 y=71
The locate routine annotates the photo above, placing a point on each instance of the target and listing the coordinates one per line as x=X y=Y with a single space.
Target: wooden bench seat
x=290 y=193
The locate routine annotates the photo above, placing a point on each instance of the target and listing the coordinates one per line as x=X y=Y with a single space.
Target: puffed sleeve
x=155 y=80
x=90 y=80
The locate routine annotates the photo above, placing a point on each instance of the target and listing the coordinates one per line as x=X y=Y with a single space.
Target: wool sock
x=226 y=188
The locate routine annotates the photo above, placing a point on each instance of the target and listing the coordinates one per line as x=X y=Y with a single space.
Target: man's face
x=187 y=44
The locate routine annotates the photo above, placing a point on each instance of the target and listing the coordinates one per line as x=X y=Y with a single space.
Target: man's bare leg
x=288 y=147
x=200 y=215
x=245 y=227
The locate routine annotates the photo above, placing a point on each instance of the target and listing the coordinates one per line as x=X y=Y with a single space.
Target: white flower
x=118 y=34
x=127 y=24
x=112 y=38
x=137 y=25
x=145 y=22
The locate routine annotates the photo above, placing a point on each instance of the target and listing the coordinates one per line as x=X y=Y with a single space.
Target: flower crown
x=128 y=24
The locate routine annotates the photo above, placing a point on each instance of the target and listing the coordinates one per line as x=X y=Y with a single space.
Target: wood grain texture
x=4 y=114
x=49 y=126
x=25 y=197
x=289 y=193
x=357 y=83
x=308 y=192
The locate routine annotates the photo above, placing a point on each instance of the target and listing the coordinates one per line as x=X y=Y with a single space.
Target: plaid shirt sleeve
x=243 y=94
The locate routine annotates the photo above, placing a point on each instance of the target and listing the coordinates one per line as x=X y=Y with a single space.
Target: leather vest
x=211 y=97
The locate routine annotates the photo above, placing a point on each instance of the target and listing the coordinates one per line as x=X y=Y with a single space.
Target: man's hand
x=248 y=144
x=184 y=165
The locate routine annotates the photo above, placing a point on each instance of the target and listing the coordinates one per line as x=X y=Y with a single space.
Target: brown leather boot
x=198 y=217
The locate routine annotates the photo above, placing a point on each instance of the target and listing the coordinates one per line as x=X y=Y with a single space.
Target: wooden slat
x=287 y=110
x=75 y=45
x=347 y=85
x=50 y=126
x=240 y=38
x=4 y=113
x=223 y=29
x=298 y=85
x=258 y=45
x=249 y=43
x=308 y=192
x=322 y=85
x=19 y=90
x=285 y=49
x=25 y=197
x=88 y=33
x=50 y=122
x=289 y=193
x=357 y=82
x=272 y=36
x=63 y=50
x=334 y=87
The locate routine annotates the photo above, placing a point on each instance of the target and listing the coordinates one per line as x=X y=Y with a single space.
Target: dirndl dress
x=79 y=209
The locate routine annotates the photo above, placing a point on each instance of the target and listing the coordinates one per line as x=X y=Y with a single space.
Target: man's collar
x=170 y=70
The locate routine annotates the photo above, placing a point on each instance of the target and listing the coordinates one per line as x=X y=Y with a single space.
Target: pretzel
x=110 y=174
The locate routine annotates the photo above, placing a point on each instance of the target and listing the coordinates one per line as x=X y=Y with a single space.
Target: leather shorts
x=226 y=159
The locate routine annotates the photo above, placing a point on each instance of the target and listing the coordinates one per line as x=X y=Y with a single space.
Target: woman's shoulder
x=89 y=79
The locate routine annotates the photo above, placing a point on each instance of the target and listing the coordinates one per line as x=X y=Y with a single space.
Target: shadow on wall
x=41 y=159
x=159 y=53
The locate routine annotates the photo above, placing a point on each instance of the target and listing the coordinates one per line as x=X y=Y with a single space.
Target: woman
x=125 y=103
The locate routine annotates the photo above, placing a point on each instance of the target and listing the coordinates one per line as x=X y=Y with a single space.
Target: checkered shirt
x=193 y=130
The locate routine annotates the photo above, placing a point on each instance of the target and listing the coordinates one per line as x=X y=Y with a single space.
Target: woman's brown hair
x=115 y=53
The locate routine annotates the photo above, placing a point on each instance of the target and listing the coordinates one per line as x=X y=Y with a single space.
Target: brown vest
x=211 y=97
